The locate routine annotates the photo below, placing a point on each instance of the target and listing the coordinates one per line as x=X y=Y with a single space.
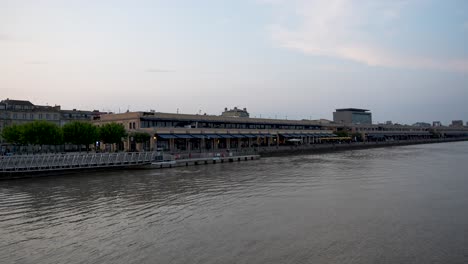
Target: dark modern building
x=352 y=116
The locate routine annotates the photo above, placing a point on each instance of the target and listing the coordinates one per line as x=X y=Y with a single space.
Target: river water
x=389 y=205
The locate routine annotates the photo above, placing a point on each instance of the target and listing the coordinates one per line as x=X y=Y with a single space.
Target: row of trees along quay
x=43 y=133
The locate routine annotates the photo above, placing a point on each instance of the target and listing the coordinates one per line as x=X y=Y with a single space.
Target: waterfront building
x=20 y=112
x=381 y=132
x=422 y=124
x=184 y=132
x=23 y=111
x=436 y=124
x=78 y=115
x=457 y=123
x=235 y=112
x=352 y=116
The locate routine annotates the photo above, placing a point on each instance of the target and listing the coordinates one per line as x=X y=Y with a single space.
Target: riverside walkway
x=46 y=164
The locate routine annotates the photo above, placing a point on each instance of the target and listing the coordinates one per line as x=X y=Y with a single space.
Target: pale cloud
x=4 y=37
x=153 y=70
x=340 y=29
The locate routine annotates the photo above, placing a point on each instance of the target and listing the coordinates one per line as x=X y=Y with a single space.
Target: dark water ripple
x=393 y=205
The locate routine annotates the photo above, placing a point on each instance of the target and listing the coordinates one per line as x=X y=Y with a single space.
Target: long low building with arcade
x=234 y=129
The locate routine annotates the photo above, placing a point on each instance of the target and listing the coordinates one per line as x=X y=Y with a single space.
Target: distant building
x=352 y=116
x=389 y=123
x=78 y=115
x=235 y=112
x=436 y=124
x=422 y=124
x=22 y=111
x=457 y=123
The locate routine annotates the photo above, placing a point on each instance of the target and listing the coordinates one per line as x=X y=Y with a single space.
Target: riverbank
x=322 y=148
x=52 y=165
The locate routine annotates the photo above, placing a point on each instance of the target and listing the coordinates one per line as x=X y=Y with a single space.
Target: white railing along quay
x=74 y=161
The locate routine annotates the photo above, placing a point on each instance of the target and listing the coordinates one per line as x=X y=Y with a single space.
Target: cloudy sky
x=406 y=60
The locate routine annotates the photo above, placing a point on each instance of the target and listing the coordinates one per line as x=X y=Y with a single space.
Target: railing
x=74 y=161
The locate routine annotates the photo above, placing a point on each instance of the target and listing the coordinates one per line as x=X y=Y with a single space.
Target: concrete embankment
x=321 y=148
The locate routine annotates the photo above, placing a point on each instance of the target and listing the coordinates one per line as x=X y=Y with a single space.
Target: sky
x=405 y=60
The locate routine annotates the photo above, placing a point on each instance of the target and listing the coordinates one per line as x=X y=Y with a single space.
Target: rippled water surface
x=390 y=205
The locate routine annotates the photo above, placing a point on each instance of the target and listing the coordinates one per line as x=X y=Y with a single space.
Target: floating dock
x=201 y=161
x=23 y=166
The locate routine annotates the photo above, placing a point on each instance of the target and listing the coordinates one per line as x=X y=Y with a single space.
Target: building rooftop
x=17 y=102
x=352 y=109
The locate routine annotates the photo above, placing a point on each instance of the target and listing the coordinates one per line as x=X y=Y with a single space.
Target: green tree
x=140 y=137
x=80 y=133
x=42 y=133
x=111 y=133
x=341 y=133
x=13 y=134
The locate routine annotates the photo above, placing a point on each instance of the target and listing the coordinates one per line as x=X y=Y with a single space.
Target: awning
x=287 y=135
x=166 y=136
x=249 y=135
x=237 y=136
x=225 y=136
x=183 y=136
x=211 y=136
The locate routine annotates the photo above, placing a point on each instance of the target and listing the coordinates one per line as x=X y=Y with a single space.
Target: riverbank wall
x=322 y=148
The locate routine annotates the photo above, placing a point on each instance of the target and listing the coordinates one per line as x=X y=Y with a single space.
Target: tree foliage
x=112 y=133
x=341 y=133
x=42 y=133
x=140 y=137
x=80 y=133
x=13 y=134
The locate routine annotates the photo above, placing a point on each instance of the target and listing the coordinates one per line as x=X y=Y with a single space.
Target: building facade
x=235 y=112
x=457 y=123
x=22 y=111
x=183 y=132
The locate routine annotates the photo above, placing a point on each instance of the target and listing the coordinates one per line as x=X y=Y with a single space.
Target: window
x=40 y=116
x=47 y=116
x=31 y=116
